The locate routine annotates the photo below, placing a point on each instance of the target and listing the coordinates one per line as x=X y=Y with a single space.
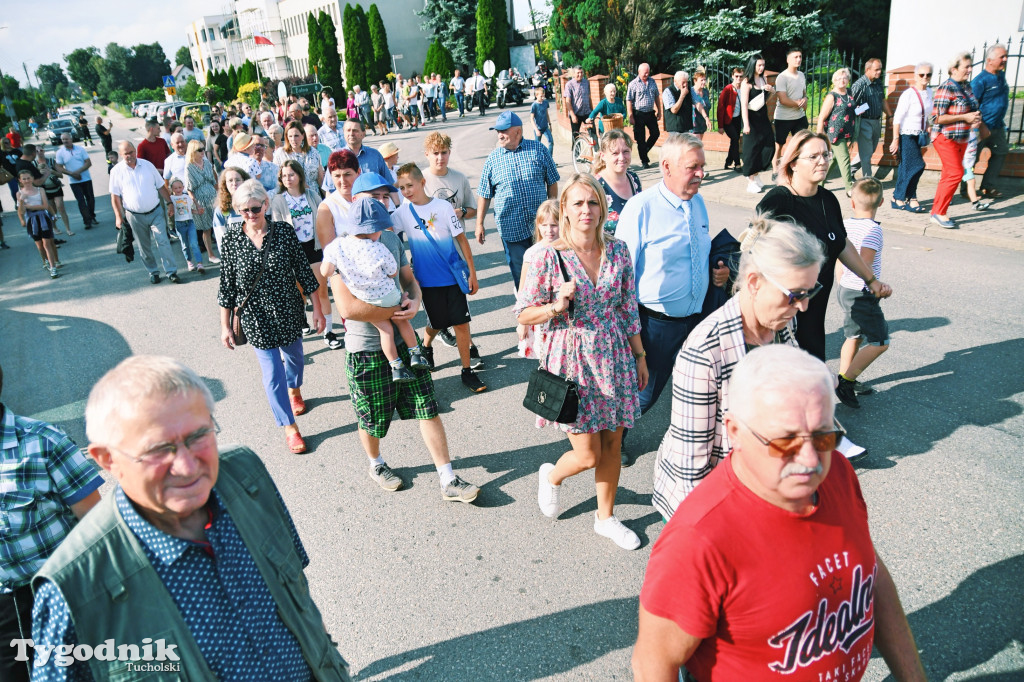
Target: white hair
x=247 y=191
x=681 y=75
x=677 y=144
x=954 y=63
x=992 y=50
x=117 y=394
x=931 y=67
x=776 y=248
x=774 y=369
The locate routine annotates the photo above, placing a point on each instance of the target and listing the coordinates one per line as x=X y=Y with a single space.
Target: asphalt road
x=417 y=589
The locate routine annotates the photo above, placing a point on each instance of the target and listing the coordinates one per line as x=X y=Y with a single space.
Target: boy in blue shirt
x=443 y=300
x=539 y=113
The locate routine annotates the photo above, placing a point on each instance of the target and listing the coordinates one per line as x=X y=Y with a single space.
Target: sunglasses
x=795 y=296
x=251 y=210
x=925 y=75
x=788 y=446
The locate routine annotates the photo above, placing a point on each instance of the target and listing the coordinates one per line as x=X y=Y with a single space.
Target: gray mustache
x=794 y=469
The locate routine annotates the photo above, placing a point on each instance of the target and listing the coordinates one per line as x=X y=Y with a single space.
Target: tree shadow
x=968 y=387
x=975 y=622
x=534 y=649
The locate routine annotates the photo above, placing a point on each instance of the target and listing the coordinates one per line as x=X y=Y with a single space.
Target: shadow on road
x=978 y=620
x=528 y=650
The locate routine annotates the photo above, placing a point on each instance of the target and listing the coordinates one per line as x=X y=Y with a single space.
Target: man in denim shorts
x=375 y=397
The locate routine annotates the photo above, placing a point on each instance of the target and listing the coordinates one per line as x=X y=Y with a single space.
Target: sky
x=44 y=37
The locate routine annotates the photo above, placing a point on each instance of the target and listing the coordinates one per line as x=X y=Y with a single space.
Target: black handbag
x=548 y=395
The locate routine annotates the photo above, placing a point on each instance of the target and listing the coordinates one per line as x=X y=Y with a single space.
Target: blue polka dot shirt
x=222 y=597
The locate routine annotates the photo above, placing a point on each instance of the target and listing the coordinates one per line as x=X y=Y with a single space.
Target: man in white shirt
x=458 y=85
x=329 y=133
x=479 y=90
x=174 y=165
x=75 y=162
x=790 y=111
x=136 y=190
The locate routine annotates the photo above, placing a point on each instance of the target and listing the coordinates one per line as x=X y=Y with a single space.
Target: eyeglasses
x=795 y=296
x=788 y=446
x=251 y=210
x=924 y=75
x=818 y=158
x=260 y=146
x=165 y=452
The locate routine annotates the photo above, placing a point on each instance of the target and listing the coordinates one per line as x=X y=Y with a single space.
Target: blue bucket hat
x=367 y=215
x=369 y=181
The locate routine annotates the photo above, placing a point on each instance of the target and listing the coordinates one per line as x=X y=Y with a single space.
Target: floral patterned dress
x=617 y=203
x=841 y=121
x=592 y=347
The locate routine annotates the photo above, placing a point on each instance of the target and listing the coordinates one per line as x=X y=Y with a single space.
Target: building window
x=211 y=33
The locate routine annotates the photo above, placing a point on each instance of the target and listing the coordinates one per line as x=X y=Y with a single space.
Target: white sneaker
x=849 y=449
x=613 y=529
x=547 y=494
x=757 y=179
x=753 y=188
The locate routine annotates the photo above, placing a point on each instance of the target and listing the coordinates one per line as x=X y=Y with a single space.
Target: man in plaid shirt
x=46 y=485
x=577 y=100
x=329 y=133
x=643 y=105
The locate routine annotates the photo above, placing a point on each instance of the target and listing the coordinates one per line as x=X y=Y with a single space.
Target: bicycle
x=585 y=148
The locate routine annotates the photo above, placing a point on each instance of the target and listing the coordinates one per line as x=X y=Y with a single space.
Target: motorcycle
x=509 y=90
x=544 y=82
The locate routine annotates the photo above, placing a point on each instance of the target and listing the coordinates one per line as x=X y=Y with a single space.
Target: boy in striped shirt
x=867 y=334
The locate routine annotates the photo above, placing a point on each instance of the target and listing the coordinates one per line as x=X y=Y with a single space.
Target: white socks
x=329 y=324
x=446 y=474
x=377 y=461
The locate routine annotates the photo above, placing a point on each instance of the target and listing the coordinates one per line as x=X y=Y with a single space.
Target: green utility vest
x=113 y=592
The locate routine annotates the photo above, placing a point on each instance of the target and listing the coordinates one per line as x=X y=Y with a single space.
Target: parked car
x=199 y=110
x=137 y=105
x=59 y=126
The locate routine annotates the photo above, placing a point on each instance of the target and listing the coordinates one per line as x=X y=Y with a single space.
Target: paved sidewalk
x=1001 y=226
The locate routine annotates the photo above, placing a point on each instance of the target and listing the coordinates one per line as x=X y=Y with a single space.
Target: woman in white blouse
x=910 y=120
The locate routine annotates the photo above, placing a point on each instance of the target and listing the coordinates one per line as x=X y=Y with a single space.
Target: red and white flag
x=261 y=39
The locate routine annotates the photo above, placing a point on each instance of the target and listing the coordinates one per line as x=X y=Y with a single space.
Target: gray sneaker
x=385 y=477
x=460 y=491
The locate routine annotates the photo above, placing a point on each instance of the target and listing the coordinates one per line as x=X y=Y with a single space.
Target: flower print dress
x=617 y=203
x=841 y=122
x=591 y=347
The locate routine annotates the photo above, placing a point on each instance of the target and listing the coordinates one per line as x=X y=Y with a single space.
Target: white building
x=263 y=17
x=936 y=31
x=406 y=40
x=181 y=74
x=213 y=42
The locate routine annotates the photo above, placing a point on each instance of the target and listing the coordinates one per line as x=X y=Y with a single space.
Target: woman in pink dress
x=594 y=340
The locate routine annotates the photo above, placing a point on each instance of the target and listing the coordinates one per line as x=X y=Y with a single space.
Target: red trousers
x=952 y=155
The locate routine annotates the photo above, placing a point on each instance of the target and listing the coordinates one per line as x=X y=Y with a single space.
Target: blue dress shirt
x=222 y=597
x=518 y=181
x=669 y=242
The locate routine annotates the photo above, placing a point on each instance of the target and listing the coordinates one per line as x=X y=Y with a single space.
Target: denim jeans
x=551 y=140
x=910 y=169
x=189 y=240
x=282 y=369
x=514 y=252
x=460 y=101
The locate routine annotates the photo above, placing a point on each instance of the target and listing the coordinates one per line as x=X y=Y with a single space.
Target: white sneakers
x=547 y=494
x=754 y=187
x=613 y=529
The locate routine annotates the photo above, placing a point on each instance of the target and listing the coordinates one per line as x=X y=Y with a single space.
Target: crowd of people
x=618 y=290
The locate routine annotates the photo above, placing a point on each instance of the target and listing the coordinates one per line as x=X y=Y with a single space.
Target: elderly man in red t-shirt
x=767 y=570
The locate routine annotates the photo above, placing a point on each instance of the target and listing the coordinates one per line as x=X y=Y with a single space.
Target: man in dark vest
x=192 y=561
x=678 y=104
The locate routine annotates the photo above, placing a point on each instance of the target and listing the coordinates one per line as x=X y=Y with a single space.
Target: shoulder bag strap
x=567 y=278
x=263 y=267
x=921 y=102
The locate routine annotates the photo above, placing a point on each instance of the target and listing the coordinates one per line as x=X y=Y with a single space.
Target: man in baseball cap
x=374 y=185
x=506 y=120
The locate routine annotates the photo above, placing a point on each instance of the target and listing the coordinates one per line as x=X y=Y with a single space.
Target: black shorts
x=445 y=306
x=862 y=317
x=55 y=193
x=313 y=254
x=39 y=225
x=784 y=128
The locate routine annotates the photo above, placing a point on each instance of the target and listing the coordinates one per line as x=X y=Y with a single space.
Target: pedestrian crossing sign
x=169 y=82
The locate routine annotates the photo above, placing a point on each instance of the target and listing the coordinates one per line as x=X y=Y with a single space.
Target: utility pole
x=26 y=75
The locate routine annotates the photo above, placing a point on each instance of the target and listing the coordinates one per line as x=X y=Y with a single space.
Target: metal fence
x=1015 y=114
x=818 y=67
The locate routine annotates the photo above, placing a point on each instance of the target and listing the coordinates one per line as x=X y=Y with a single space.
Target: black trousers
x=15 y=623
x=646 y=133
x=86 y=200
x=733 y=132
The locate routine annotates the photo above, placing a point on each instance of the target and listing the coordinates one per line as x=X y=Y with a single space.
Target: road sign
x=169 y=82
x=488 y=68
x=282 y=91
x=171 y=91
x=398 y=56
x=306 y=89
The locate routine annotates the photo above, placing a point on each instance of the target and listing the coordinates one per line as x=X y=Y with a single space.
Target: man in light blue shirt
x=667 y=230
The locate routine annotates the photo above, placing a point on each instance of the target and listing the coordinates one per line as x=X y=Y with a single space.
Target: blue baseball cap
x=369 y=181
x=506 y=120
x=367 y=215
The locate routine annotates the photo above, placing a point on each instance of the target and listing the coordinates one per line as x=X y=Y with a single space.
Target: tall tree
x=115 y=69
x=232 y=80
x=50 y=76
x=453 y=22
x=358 y=51
x=439 y=60
x=149 y=65
x=379 y=40
x=330 y=62
x=315 y=51
x=80 y=67
x=492 y=34
x=183 y=57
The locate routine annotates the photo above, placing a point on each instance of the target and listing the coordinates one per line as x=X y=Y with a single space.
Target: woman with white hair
x=778 y=275
x=607 y=107
x=260 y=264
x=909 y=128
x=837 y=122
x=593 y=328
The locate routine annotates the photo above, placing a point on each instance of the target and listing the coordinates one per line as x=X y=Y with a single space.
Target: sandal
x=992 y=194
x=898 y=206
x=914 y=209
x=295 y=443
x=298 y=404
x=981 y=204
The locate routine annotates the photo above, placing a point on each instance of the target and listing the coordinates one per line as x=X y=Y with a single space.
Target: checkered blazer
x=696 y=440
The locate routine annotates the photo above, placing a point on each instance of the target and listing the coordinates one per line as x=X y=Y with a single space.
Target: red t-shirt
x=773 y=595
x=14 y=138
x=154 y=152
